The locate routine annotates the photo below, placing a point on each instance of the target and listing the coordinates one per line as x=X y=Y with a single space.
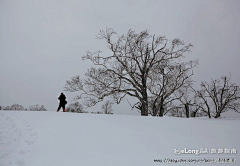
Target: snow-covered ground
x=71 y=139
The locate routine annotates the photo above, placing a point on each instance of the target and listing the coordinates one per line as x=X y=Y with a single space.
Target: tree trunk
x=161 y=111
x=155 y=108
x=187 y=110
x=193 y=114
x=154 y=111
x=209 y=115
x=144 y=109
x=218 y=114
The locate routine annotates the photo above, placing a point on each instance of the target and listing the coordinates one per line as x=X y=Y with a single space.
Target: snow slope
x=71 y=139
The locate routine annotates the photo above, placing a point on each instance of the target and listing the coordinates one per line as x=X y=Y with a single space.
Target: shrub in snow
x=37 y=108
x=75 y=107
x=98 y=112
x=6 y=108
x=16 y=107
x=177 y=112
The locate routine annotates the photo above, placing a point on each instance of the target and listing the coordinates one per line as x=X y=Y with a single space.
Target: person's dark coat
x=62 y=99
x=62 y=103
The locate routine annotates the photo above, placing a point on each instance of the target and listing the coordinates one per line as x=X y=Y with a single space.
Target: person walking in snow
x=62 y=103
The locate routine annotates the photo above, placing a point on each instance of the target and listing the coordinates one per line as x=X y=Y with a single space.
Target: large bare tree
x=136 y=61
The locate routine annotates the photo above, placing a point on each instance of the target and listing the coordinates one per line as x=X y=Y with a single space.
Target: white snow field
x=71 y=139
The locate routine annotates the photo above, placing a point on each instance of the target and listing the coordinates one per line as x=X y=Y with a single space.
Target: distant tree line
x=152 y=70
x=18 y=107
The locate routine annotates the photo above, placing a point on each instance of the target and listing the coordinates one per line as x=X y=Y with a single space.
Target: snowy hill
x=71 y=139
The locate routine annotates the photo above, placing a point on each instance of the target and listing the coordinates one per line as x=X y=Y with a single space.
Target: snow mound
x=71 y=139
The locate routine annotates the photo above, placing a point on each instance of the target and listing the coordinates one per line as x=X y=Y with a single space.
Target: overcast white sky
x=42 y=41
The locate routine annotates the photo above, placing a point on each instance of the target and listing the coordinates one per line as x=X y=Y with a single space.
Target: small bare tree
x=202 y=102
x=37 y=107
x=170 y=79
x=223 y=94
x=107 y=107
x=177 y=112
x=75 y=107
x=193 y=102
x=186 y=99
